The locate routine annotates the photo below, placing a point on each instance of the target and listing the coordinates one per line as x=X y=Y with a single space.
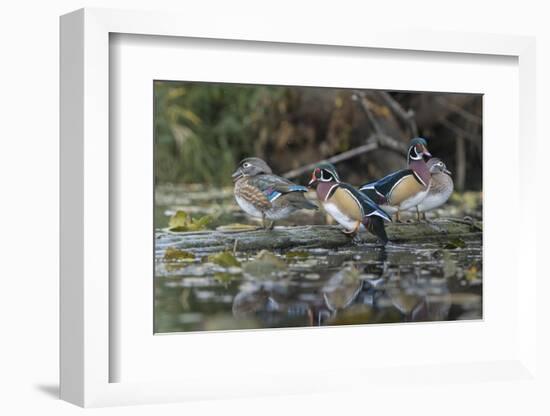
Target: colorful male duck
x=264 y=195
x=440 y=190
x=406 y=188
x=349 y=207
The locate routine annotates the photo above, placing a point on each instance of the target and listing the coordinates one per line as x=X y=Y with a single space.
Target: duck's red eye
x=317 y=173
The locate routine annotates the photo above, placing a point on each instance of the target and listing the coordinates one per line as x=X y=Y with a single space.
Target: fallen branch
x=372 y=145
x=310 y=236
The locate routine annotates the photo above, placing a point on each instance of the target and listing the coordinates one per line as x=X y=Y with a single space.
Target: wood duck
x=406 y=188
x=349 y=207
x=264 y=195
x=441 y=188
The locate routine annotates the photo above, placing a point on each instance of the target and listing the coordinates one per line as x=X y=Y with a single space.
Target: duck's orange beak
x=313 y=180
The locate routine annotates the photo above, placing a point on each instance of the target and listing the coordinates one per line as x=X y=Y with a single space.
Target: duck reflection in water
x=372 y=293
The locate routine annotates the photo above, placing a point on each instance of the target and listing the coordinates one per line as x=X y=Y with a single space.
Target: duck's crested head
x=251 y=166
x=324 y=172
x=418 y=148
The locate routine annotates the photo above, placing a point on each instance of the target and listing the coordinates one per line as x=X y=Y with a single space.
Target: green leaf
x=175 y=254
x=455 y=243
x=178 y=221
x=225 y=278
x=265 y=264
x=181 y=222
x=200 y=224
x=224 y=259
x=297 y=254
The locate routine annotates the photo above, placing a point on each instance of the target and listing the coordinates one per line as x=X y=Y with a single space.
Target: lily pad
x=175 y=254
x=224 y=259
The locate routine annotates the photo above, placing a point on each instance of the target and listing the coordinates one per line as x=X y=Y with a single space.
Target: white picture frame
x=87 y=356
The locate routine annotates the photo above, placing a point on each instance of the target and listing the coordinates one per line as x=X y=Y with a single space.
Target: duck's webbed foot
x=354 y=233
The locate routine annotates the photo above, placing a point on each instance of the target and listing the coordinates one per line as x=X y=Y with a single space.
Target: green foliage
x=203 y=130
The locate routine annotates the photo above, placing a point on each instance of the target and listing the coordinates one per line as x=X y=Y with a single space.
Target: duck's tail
x=375 y=225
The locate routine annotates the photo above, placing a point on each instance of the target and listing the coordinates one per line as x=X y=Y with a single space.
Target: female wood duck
x=440 y=190
x=264 y=195
x=405 y=188
x=349 y=207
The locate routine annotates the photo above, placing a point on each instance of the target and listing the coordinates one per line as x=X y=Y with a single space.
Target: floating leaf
x=181 y=222
x=355 y=314
x=455 y=243
x=178 y=220
x=224 y=278
x=175 y=254
x=224 y=259
x=264 y=264
x=199 y=224
x=297 y=254
x=471 y=273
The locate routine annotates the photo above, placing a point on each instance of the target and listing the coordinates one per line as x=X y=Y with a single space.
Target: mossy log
x=312 y=236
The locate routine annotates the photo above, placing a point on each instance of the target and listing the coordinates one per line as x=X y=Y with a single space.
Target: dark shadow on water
x=51 y=390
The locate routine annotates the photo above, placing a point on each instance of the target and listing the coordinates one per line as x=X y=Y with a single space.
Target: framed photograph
x=256 y=214
x=238 y=246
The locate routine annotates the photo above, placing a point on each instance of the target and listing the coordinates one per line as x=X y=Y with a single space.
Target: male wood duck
x=264 y=195
x=406 y=188
x=349 y=207
x=440 y=190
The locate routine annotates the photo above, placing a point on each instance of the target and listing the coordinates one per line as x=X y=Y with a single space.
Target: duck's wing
x=385 y=185
x=274 y=186
x=369 y=207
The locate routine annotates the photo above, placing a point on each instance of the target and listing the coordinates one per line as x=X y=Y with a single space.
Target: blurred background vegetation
x=202 y=130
